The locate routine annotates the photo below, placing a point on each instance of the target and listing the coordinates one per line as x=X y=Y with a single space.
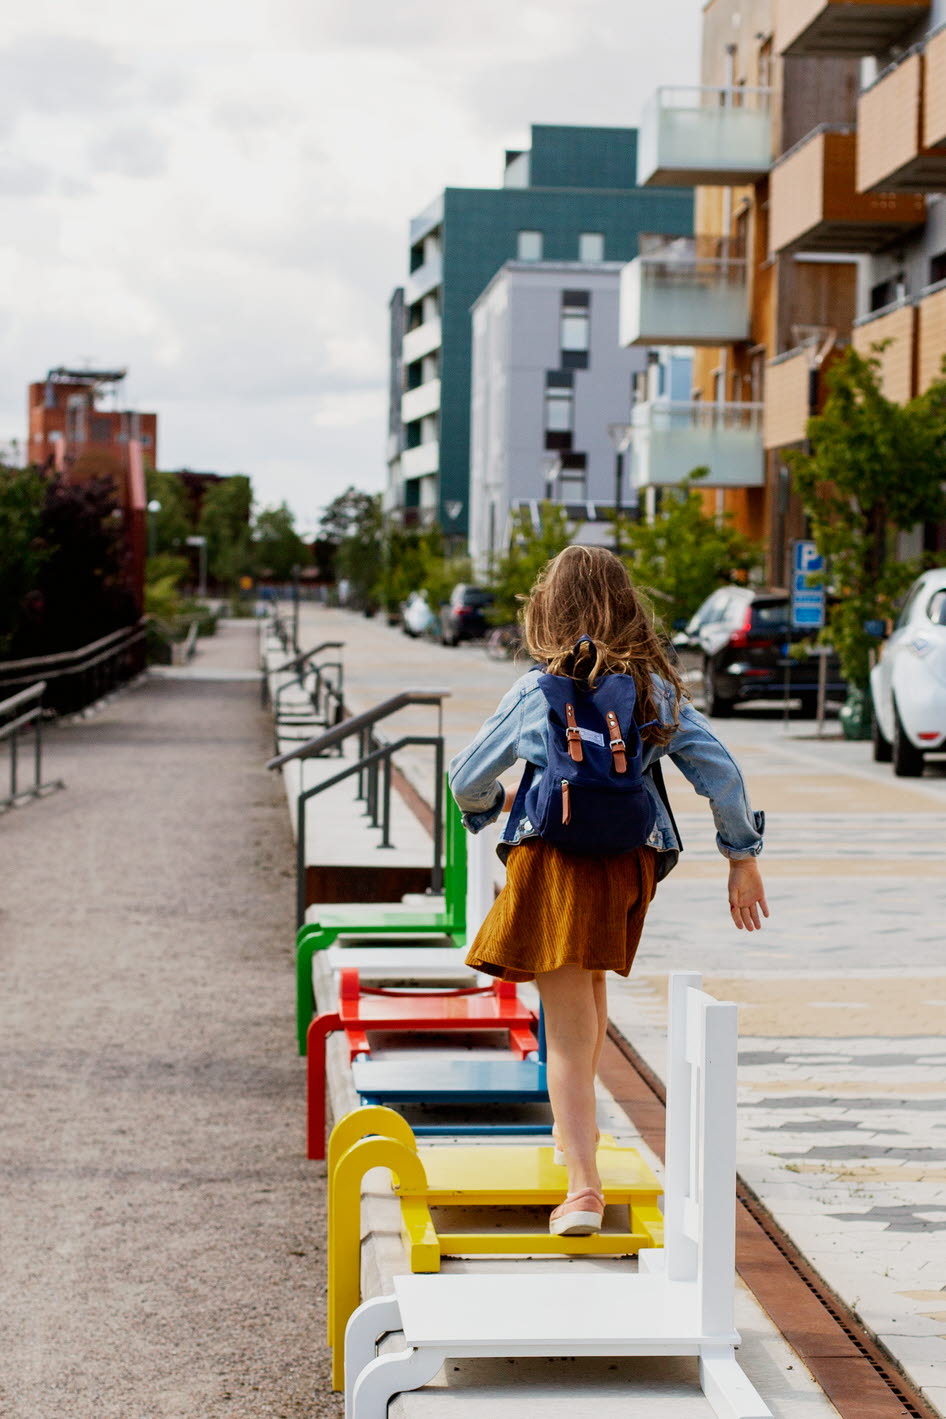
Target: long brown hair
x=586 y=591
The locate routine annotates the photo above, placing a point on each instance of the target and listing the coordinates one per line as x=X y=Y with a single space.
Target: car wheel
x=883 y=749
x=713 y=702
x=907 y=758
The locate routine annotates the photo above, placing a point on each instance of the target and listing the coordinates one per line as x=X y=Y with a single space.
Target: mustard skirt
x=558 y=909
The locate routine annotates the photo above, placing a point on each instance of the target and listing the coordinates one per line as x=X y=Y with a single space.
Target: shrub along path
x=162 y=1233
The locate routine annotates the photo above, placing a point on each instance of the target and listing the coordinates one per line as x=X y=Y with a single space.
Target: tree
x=168 y=528
x=22 y=548
x=353 y=523
x=875 y=468
x=225 y=522
x=683 y=555
x=278 y=547
x=529 y=549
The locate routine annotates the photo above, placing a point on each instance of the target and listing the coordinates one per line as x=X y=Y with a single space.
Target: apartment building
x=549 y=382
x=77 y=427
x=570 y=197
x=786 y=236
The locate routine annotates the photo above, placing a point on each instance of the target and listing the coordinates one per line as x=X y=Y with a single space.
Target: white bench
x=679 y=1302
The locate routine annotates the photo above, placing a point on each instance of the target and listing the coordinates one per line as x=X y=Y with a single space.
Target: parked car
x=908 y=683
x=416 y=616
x=737 y=641
x=463 y=618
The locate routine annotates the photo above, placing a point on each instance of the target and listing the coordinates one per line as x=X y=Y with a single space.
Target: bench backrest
x=700 y=1195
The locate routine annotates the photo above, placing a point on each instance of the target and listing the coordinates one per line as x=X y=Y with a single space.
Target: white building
x=548 y=379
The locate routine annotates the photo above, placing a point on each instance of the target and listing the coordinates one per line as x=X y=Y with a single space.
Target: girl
x=564 y=919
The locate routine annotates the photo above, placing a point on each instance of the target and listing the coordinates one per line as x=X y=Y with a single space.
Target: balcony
x=421 y=341
x=426 y=278
x=933 y=131
x=671 y=439
x=677 y=295
x=891 y=153
x=931 y=337
x=814 y=205
x=706 y=137
x=419 y=402
x=896 y=325
x=844 y=27
x=425 y=458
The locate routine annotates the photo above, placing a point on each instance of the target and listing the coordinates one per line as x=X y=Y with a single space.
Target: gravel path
x=162 y=1236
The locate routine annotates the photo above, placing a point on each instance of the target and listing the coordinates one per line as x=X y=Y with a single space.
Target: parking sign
x=807 y=587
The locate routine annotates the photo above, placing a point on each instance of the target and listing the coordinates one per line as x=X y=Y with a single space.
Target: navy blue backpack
x=591 y=798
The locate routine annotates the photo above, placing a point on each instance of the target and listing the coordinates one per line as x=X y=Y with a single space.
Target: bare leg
x=599 y=984
x=572 y=1031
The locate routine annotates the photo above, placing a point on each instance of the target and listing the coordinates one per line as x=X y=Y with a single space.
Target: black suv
x=738 y=639
x=463 y=618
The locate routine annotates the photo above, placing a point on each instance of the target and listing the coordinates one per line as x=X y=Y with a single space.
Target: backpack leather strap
x=618 y=747
x=573 y=735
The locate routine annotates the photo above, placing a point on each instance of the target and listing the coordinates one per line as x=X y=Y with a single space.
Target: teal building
x=569 y=197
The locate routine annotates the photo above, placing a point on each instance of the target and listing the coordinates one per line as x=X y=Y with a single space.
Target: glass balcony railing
x=684 y=292
x=672 y=438
x=426 y=278
x=844 y=27
x=710 y=137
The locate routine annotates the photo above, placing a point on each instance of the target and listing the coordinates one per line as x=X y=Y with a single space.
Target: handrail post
x=386 y=808
x=37 y=752
x=301 y=903
x=436 y=876
x=13 y=767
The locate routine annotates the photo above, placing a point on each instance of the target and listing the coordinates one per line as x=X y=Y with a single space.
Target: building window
x=938 y=268
x=591 y=246
x=559 y=406
x=529 y=247
x=101 y=430
x=575 y=328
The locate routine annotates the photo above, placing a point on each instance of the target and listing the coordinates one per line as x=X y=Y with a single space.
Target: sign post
x=808 y=607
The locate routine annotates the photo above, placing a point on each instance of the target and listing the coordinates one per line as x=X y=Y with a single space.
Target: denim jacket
x=518 y=730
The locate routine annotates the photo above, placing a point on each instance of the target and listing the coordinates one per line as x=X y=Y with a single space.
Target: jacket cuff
x=736 y=854
x=475 y=822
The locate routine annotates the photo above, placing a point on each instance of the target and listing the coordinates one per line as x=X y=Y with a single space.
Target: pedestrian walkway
x=161 y=1229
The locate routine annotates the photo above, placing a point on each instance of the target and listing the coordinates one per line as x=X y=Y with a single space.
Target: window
x=591 y=246
x=938 y=268
x=530 y=246
x=574 y=335
x=559 y=405
x=936 y=610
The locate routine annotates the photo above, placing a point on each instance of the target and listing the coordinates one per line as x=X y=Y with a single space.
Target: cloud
x=218 y=196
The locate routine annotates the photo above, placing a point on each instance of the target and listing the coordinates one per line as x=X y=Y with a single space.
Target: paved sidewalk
x=162 y=1233
x=842 y=995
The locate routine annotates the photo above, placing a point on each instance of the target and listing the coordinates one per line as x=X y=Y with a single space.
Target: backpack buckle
x=618 y=747
x=573 y=735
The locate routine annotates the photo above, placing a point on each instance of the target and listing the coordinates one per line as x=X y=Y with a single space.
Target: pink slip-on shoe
x=580 y=1215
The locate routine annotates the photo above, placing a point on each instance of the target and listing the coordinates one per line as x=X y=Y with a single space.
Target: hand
x=509 y=800
x=746 y=893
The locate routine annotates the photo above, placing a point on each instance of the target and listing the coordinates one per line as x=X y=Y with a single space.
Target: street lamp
x=621 y=435
x=201 y=544
x=154 y=507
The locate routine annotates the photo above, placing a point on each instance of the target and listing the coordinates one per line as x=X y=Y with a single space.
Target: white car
x=908 y=683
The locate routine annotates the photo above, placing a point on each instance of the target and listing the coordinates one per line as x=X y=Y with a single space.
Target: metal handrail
x=11 y=730
x=372 y=761
x=90 y=658
x=297 y=661
x=358 y=722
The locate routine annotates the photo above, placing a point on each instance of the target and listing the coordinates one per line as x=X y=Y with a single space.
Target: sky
x=216 y=196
